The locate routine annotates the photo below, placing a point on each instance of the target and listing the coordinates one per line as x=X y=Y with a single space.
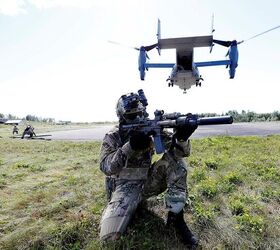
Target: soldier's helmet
x=132 y=107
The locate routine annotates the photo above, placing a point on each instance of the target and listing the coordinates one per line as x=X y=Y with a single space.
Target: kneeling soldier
x=125 y=159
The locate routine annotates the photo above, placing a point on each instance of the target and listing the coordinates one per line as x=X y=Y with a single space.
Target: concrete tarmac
x=235 y=129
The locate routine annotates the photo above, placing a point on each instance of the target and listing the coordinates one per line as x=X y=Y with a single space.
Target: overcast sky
x=55 y=59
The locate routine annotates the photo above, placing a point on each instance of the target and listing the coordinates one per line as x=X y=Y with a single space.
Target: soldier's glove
x=183 y=133
x=139 y=140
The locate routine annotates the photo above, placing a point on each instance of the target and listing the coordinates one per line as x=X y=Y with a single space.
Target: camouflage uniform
x=15 y=130
x=29 y=130
x=135 y=178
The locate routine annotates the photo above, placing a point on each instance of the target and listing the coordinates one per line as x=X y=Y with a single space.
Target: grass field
x=52 y=196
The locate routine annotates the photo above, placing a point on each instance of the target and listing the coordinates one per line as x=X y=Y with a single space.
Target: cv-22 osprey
x=185 y=71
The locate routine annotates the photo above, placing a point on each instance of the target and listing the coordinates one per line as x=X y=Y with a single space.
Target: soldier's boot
x=177 y=221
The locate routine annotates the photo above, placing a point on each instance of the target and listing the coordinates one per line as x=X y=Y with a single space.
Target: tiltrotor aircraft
x=185 y=71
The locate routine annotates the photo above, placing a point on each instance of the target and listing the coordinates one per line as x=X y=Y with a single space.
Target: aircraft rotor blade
x=150 y=47
x=123 y=45
x=227 y=53
x=211 y=47
x=260 y=34
x=147 y=56
x=146 y=48
x=223 y=43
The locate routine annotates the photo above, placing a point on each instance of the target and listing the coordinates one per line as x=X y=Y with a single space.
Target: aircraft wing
x=185 y=43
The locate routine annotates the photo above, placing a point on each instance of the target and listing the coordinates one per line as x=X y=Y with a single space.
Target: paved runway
x=236 y=129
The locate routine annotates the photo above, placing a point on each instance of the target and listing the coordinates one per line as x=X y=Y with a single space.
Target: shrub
x=199 y=174
x=237 y=206
x=208 y=188
x=211 y=163
x=22 y=165
x=203 y=214
x=230 y=181
x=270 y=194
x=233 y=178
x=3 y=183
x=250 y=223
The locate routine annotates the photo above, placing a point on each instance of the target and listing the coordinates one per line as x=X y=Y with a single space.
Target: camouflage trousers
x=167 y=174
x=30 y=134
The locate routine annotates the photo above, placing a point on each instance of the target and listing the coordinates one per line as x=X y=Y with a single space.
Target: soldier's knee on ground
x=112 y=228
x=120 y=209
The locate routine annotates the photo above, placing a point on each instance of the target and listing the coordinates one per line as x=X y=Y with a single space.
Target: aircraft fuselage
x=184 y=78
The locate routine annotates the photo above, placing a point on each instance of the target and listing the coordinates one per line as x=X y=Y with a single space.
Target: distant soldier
x=29 y=130
x=15 y=130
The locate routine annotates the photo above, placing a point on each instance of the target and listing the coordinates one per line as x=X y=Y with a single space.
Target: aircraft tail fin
x=212 y=25
x=212 y=31
x=158 y=36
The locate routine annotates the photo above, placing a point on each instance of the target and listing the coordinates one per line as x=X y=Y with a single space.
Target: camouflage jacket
x=117 y=155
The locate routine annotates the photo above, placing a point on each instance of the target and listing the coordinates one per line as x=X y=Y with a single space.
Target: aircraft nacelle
x=233 y=57
x=142 y=62
x=232 y=53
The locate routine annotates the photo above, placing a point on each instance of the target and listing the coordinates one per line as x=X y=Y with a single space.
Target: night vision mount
x=130 y=101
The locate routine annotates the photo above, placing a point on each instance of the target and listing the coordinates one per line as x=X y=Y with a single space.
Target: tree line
x=32 y=118
x=248 y=116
